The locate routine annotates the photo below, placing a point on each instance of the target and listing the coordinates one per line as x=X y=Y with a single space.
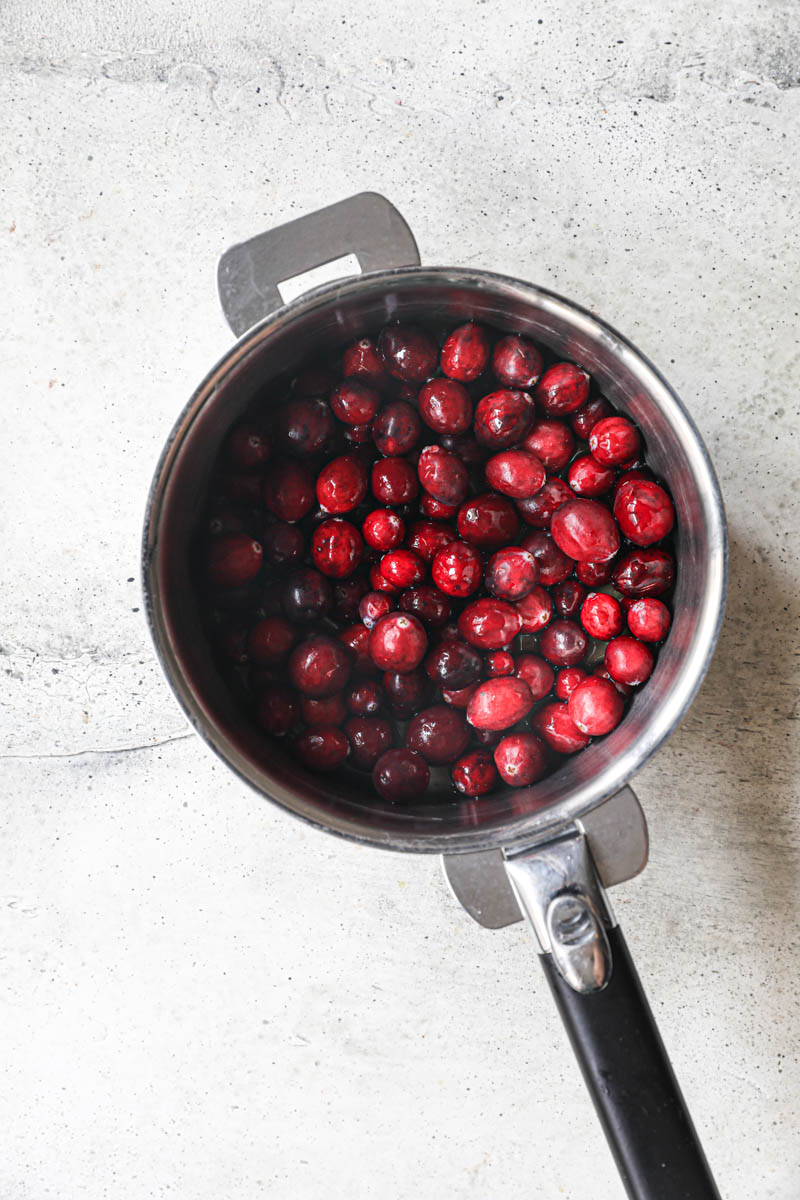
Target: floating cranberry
x=503 y=418
x=354 y=402
x=394 y=481
x=330 y=710
x=648 y=619
x=369 y=738
x=458 y=697
x=383 y=529
x=427 y=538
x=374 y=605
x=645 y=572
x=283 y=544
x=537 y=673
x=644 y=511
x=232 y=560
x=516 y=362
x=398 y=642
x=443 y=475
x=564 y=388
x=614 y=440
x=378 y=581
x=356 y=639
x=538 y=510
x=336 y=548
x=457 y=570
x=594 y=574
x=400 y=775
x=515 y=473
x=289 y=491
x=584 y=420
x=428 y=604
x=554 y=724
x=475 y=774
x=408 y=352
x=306 y=595
x=535 y=610
x=364 y=698
x=500 y=662
x=596 y=706
x=439 y=734
x=521 y=759
x=568 y=596
x=585 y=529
x=567 y=679
x=406 y=692
x=445 y=406
x=248 y=447
x=342 y=484
x=322 y=749
x=601 y=616
x=489 y=521
x=554 y=565
x=396 y=429
x=552 y=442
x=628 y=661
x=270 y=641
x=277 y=710
x=319 y=666
x=362 y=360
x=465 y=352
x=511 y=573
x=489 y=624
x=564 y=643
x=429 y=506
x=587 y=477
x=403 y=568
x=305 y=426
x=499 y=703
x=453 y=664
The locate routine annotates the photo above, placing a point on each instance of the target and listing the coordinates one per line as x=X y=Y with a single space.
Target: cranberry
x=369 y=738
x=564 y=643
x=428 y=604
x=601 y=616
x=516 y=361
x=564 y=388
x=500 y=662
x=584 y=420
x=342 y=484
x=487 y=737
x=248 y=448
x=614 y=440
x=646 y=572
x=289 y=491
x=443 y=475
x=644 y=511
x=398 y=642
x=330 y=710
x=629 y=476
x=511 y=573
x=396 y=429
x=445 y=406
x=305 y=426
x=588 y=477
x=373 y=606
x=283 y=544
x=458 y=697
x=406 y=692
x=568 y=596
x=594 y=574
x=521 y=759
x=232 y=518
x=312 y=381
x=596 y=706
x=554 y=724
x=364 y=698
x=457 y=570
x=383 y=529
x=537 y=673
x=499 y=703
x=465 y=448
x=535 y=610
x=453 y=664
x=378 y=581
x=408 y=352
x=584 y=529
x=489 y=520
x=648 y=619
x=554 y=565
x=400 y=775
x=306 y=595
x=628 y=661
x=429 y=506
x=567 y=679
x=362 y=360
x=624 y=689
x=336 y=548
x=270 y=641
x=319 y=666
x=465 y=352
x=394 y=481
x=277 y=710
x=427 y=538
x=347 y=595
x=552 y=442
x=439 y=734
x=538 y=510
x=489 y=624
x=358 y=435
x=515 y=473
x=354 y=402
x=403 y=568
x=475 y=774
x=356 y=639
x=233 y=560
x=322 y=749
x=503 y=418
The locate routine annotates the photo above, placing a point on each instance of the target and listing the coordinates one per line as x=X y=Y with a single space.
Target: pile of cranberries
x=436 y=553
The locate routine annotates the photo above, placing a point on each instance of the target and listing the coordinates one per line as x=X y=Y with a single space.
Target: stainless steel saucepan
x=551 y=851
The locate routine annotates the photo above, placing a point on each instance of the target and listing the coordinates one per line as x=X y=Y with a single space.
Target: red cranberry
x=568 y=596
x=430 y=507
x=409 y=353
x=439 y=734
x=503 y=418
x=403 y=568
x=378 y=581
x=396 y=429
x=564 y=643
x=347 y=595
x=584 y=420
x=601 y=616
x=475 y=774
x=564 y=388
x=305 y=426
x=500 y=662
x=594 y=574
x=453 y=664
x=458 y=697
x=465 y=448
x=277 y=710
x=306 y=595
x=554 y=565
x=322 y=749
x=289 y=491
x=398 y=642
x=624 y=689
x=356 y=639
x=535 y=610
x=521 y=759
x=587 y=477
x=489 y=521
x=644 y=511
x=427 y=538
x=645 y=572
x=628 y=661
x=369 y=738
x=428 y=604
x=465 y=352
x=342 y=484
x=445 y=406
x=442 y=475
x=629 y=476
x=394 y=481
x=537 y=673
x=516 y=362
x=487 y=737
x=336 y=548
x=383 y=529
x=362 y=360
x=270 y=641
x=511 y=573
x=499 y=703
x=319 y=666
x=313 y=381
x=354 y=402
x=359 y=435
x=373 y=606
x=406 y=692
x=489 y=624
x=330 y=710
x=538 y=510
x=648 y=619
x=552 y=442
x=554 y=724
x=567 y=679
x=283 y=544
x=364 y=698
x=515 y=473
x=400 y=775
x=233 y=560
x=584 y=529
x=457 y=570
x=614 y=440
x=248 y=448
x=596 y=706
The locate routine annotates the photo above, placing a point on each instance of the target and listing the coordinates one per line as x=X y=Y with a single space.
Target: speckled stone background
x=199 y=997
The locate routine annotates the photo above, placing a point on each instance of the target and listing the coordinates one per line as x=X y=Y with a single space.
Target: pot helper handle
x=360 y=234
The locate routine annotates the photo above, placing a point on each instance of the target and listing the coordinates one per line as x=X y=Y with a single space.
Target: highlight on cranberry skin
x=614 y=440
x=232 y=560
x=383 y=529
x=645 y=572
x=409 y=353
x=516 y=362
x=341 y=485
x=489 y=624
x=453 y=664
x=511 y=573
x=564 y=388
x=319 y=666
x=567 y=679
x=465 y=353
x=554 y=564
x=475 y=774
x=398 y=642
x=589 y=478
x=336 y=548
x=355 y=403
x=503 y=418
x=585 y=530
x=457 y=570
x=500 y=662
x=596 y=706
x=644 y=511
x=648 y=619
x=628 y=661
x=520 y=759
x=552 y=442
x=373 y=606
x=499 y=703
x=403 y=568
x=400 y=775
x=584 y=420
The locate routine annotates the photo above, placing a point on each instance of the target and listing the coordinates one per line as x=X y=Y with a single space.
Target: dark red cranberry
x=336 y=548
x=568 y=596
x=322 y=748
x=428 y=604
x=248 y=447
x=403 y=568
x=283 y=544
x=537 y=673
x=457 y=570
x=594 y=574
x=329 y=710
x=629 y=476
x=515 y=473
x=442 y=475
x=445 y=406
x=383 y=529
x=342 y=484
x=465 y=448
x=406 y=692
x=439 y=734
x=628 y=661
x=465 y=352
x=369 y=738
x=648 y=619
x=516 y=362
x=396 y=429
x=304 y=426
x=596 y=706
x=306 y=595
x=584 y=420
x=554 y=724
x=475 y=774
x=374 y=605
x=356 y=639
x=364 y=698
x=511 y=573
x=520 y=759
x=489 y=521
x=458 y=697
x=225 y=517
x=601 y=616
x=554 y=565
x=232 y=560
x=347 y=594
x=564 y=388
x=499 y=662
x=270 y=641
x=359 y=435
x=400 y=775
x=503 y=418
x=319 y=666
x=429 y=506
x=614 y=440
x=587 y=477
x=453 y=664
x=564 y=643
x=489 y=624
x=535 y=610
x=538 y=510
x=289 y=491
x=354 y=402
x=427 y=538
x=487 y=737
x=644 y=511
x=313 y=381
x=362 y=360
x=585 y=529
x=567 y=679
x=394 y=481
x=623 y=688
x=398 y=642
x=552 y=442
x=645 y=572
x=499 y=703
x=409 y=352
x=277 y=710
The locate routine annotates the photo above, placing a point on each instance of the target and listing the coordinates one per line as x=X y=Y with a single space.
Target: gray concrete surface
x=199 y=998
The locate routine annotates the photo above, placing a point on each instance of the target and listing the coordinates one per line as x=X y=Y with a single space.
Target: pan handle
x=362 y=233
x=610 y=1024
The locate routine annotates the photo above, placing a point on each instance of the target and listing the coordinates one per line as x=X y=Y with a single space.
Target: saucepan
x=549 y=852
